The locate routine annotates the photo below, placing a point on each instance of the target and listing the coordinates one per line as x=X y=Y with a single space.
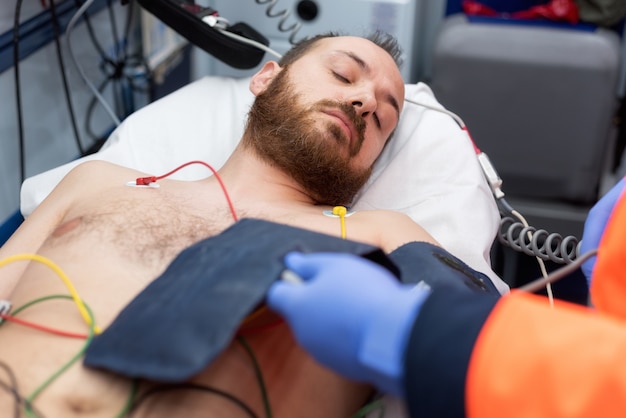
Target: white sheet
x=428 y=171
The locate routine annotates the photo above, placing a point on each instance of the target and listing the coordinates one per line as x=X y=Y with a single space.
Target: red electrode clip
x=145 y=181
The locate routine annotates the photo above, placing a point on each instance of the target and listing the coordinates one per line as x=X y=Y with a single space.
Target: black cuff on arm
x=439 y=351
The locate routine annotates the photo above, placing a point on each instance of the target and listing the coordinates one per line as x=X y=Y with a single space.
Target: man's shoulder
x=96 y=171
x=384 y=214
x=385 y=220
x=394 y=228
x=99 y=166
x=94 y=174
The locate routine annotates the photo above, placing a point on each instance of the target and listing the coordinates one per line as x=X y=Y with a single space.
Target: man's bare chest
x=141 y=226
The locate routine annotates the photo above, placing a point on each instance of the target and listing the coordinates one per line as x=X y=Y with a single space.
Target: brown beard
x=283 y=133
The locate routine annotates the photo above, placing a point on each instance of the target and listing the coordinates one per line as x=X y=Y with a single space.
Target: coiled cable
x=284 y=16
x=538 y=242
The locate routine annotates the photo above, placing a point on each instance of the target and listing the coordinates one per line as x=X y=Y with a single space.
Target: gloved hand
x=350 y=314
x=596 y=223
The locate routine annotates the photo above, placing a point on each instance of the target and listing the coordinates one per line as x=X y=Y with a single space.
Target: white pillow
x=428 y=170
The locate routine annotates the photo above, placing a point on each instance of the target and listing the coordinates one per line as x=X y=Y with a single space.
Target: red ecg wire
x=144 y=181
x=43 y=327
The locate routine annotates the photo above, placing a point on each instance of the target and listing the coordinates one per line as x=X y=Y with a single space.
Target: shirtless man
x=320 y=120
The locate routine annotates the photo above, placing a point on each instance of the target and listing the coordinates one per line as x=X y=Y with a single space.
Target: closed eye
x=340 y=77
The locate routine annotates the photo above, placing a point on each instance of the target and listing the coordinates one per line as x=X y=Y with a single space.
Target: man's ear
x=264 y=77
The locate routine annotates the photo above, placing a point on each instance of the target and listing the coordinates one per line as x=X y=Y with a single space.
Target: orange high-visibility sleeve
x=608 y=287
x=531 y=360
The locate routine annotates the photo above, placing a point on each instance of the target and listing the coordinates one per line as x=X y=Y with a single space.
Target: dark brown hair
x=382 y=39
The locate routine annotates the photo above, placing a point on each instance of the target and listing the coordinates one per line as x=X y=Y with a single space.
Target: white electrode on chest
x=153 y=185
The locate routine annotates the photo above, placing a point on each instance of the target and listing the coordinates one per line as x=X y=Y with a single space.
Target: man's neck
x=249 y=177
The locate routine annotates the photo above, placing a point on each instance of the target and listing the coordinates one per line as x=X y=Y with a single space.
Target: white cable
x=542 y=265
x=250 y=42
x=70 y=27
x=453 y=115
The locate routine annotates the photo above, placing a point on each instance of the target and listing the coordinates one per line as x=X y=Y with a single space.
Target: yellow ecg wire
x=341 y=212
x=47 y=262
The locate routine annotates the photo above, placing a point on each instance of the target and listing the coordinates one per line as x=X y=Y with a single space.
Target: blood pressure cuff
x=421 y=261
x=187 y=316
x=182 y=320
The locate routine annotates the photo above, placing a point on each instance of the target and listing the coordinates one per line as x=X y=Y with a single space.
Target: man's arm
x=40 y=224
x=395 y=229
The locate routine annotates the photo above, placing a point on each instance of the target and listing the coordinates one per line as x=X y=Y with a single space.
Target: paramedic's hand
x=350 y=314
x=596 y=223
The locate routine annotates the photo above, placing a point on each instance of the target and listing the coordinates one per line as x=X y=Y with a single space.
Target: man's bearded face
x=287 y=135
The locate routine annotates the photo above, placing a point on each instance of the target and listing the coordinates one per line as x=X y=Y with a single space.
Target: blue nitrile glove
x=352 y=315
x=596 y=223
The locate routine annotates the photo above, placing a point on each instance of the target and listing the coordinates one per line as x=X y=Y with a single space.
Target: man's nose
x=364 y=104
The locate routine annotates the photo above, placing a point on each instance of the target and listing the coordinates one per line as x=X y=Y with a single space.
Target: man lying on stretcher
x=321 y=118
